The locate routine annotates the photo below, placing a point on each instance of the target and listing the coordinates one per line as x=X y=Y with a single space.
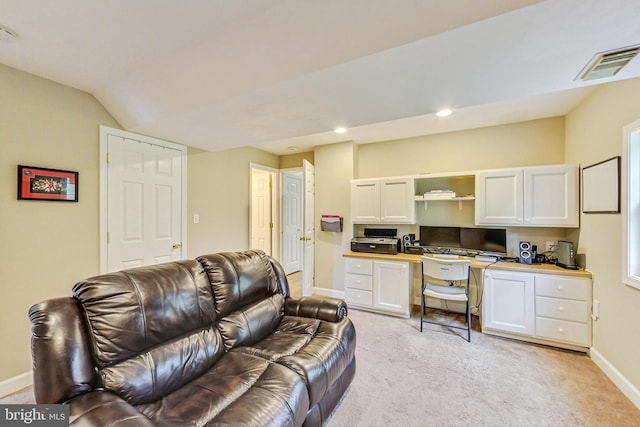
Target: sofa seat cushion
x=289 y=337
x=240 y=389
x=318 y=351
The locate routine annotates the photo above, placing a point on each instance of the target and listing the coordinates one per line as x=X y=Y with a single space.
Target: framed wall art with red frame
x=36 y=183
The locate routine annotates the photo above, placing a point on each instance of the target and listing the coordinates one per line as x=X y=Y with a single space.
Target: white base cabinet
x=381 y=286
x=509 y=302
x=544 y=308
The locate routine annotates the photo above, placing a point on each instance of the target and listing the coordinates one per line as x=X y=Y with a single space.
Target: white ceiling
x=217 y=74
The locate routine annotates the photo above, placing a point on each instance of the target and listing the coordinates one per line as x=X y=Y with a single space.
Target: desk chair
x=446 y=271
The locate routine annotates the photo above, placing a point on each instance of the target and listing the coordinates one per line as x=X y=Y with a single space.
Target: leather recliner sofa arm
x=100 y=408
x=62 y=359
x=328 y=309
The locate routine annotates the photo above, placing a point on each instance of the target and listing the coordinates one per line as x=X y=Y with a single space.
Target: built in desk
x=540 y=303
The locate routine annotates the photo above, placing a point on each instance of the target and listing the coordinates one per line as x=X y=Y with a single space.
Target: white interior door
x=261 y=221
x=292 y=221
x=308 y=177
x=144 y=202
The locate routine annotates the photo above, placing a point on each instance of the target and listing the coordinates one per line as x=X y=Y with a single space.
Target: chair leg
x=421 y=310
x=468 y=320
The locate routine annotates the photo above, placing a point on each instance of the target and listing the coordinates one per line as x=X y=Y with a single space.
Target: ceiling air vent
x=607 y=64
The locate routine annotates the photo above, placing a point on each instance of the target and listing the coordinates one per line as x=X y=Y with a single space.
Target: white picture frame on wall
x=601 y=187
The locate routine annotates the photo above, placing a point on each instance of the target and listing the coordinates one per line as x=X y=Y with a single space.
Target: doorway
x=262 y=215
x=292 y=244
x=281 y=217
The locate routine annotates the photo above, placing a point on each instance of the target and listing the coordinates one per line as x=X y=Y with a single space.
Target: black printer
x=377 y=240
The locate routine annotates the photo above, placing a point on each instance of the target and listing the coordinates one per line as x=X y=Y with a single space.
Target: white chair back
x=446 y=269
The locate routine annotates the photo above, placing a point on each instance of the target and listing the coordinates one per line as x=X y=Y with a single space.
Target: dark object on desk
x=566 y=257
x=418 y=250
x=377 y=240
x=525 y=252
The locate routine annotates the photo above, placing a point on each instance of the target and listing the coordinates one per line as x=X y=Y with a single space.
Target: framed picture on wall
x=601 y=187
x=35 y=183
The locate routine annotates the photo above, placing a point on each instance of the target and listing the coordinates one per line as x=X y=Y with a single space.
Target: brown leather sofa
x=212 y=341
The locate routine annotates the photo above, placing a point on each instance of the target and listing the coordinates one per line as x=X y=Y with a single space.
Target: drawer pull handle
x=560 y=287
x=561 y=330
x=561 y=308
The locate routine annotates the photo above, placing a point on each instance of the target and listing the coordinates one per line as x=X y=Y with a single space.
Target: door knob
x=176 y=245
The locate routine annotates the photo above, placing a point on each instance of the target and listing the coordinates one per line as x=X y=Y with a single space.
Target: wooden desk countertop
x=500 y=265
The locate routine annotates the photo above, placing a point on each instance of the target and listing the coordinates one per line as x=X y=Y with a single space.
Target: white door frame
x=275 y=207
x=104 y=132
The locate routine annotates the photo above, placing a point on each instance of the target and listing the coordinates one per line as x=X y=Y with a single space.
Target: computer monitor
x=491 y=240
x=440 y=237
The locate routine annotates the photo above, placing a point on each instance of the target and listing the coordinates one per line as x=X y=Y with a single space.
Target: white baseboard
x=614 y=375
x=16 y=383
x=328 y=293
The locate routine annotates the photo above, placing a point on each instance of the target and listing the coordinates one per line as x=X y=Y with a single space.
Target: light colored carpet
x=435 y=378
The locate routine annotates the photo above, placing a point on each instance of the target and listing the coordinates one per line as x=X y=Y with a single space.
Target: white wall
x=593 y=134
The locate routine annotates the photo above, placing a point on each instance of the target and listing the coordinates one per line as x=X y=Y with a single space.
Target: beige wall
x=295 y=160
x=218 y=191
x=535 y=142
x=333 y=170
x=46 y=246
x=594 y=133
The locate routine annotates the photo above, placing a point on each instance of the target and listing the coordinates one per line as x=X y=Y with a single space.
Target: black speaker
x=407 y=240
x=525 y=253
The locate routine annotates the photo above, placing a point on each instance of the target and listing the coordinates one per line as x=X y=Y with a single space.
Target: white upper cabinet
x=385 y=200
x=531 y=196
x=499 y=197
x=551 y=195
x=365 y=201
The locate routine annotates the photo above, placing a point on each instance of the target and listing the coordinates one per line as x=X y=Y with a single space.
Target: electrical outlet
x=196 y=218
x=549 y=246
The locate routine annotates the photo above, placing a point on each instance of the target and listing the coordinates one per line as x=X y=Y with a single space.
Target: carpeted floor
x=435 y=378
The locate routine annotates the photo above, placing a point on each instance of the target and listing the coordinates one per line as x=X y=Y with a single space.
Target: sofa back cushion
x=152 y=328
x=248 y=299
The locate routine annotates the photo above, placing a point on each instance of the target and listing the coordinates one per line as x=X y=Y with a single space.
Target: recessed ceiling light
x=443 y=113
x=340 y=130
x=292 y=148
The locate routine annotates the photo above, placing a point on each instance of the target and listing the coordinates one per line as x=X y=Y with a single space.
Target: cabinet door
x=509 y=302
x=397 y=201
x=551 y=195
x=365 y=201
x=391 y=286
x=499 y=197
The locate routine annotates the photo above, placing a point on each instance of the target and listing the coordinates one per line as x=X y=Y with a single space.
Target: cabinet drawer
x=359 y=266
x=359 y=297
x=562 y=287
x=562 y=330
x=562 y=309
x=358 y=281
